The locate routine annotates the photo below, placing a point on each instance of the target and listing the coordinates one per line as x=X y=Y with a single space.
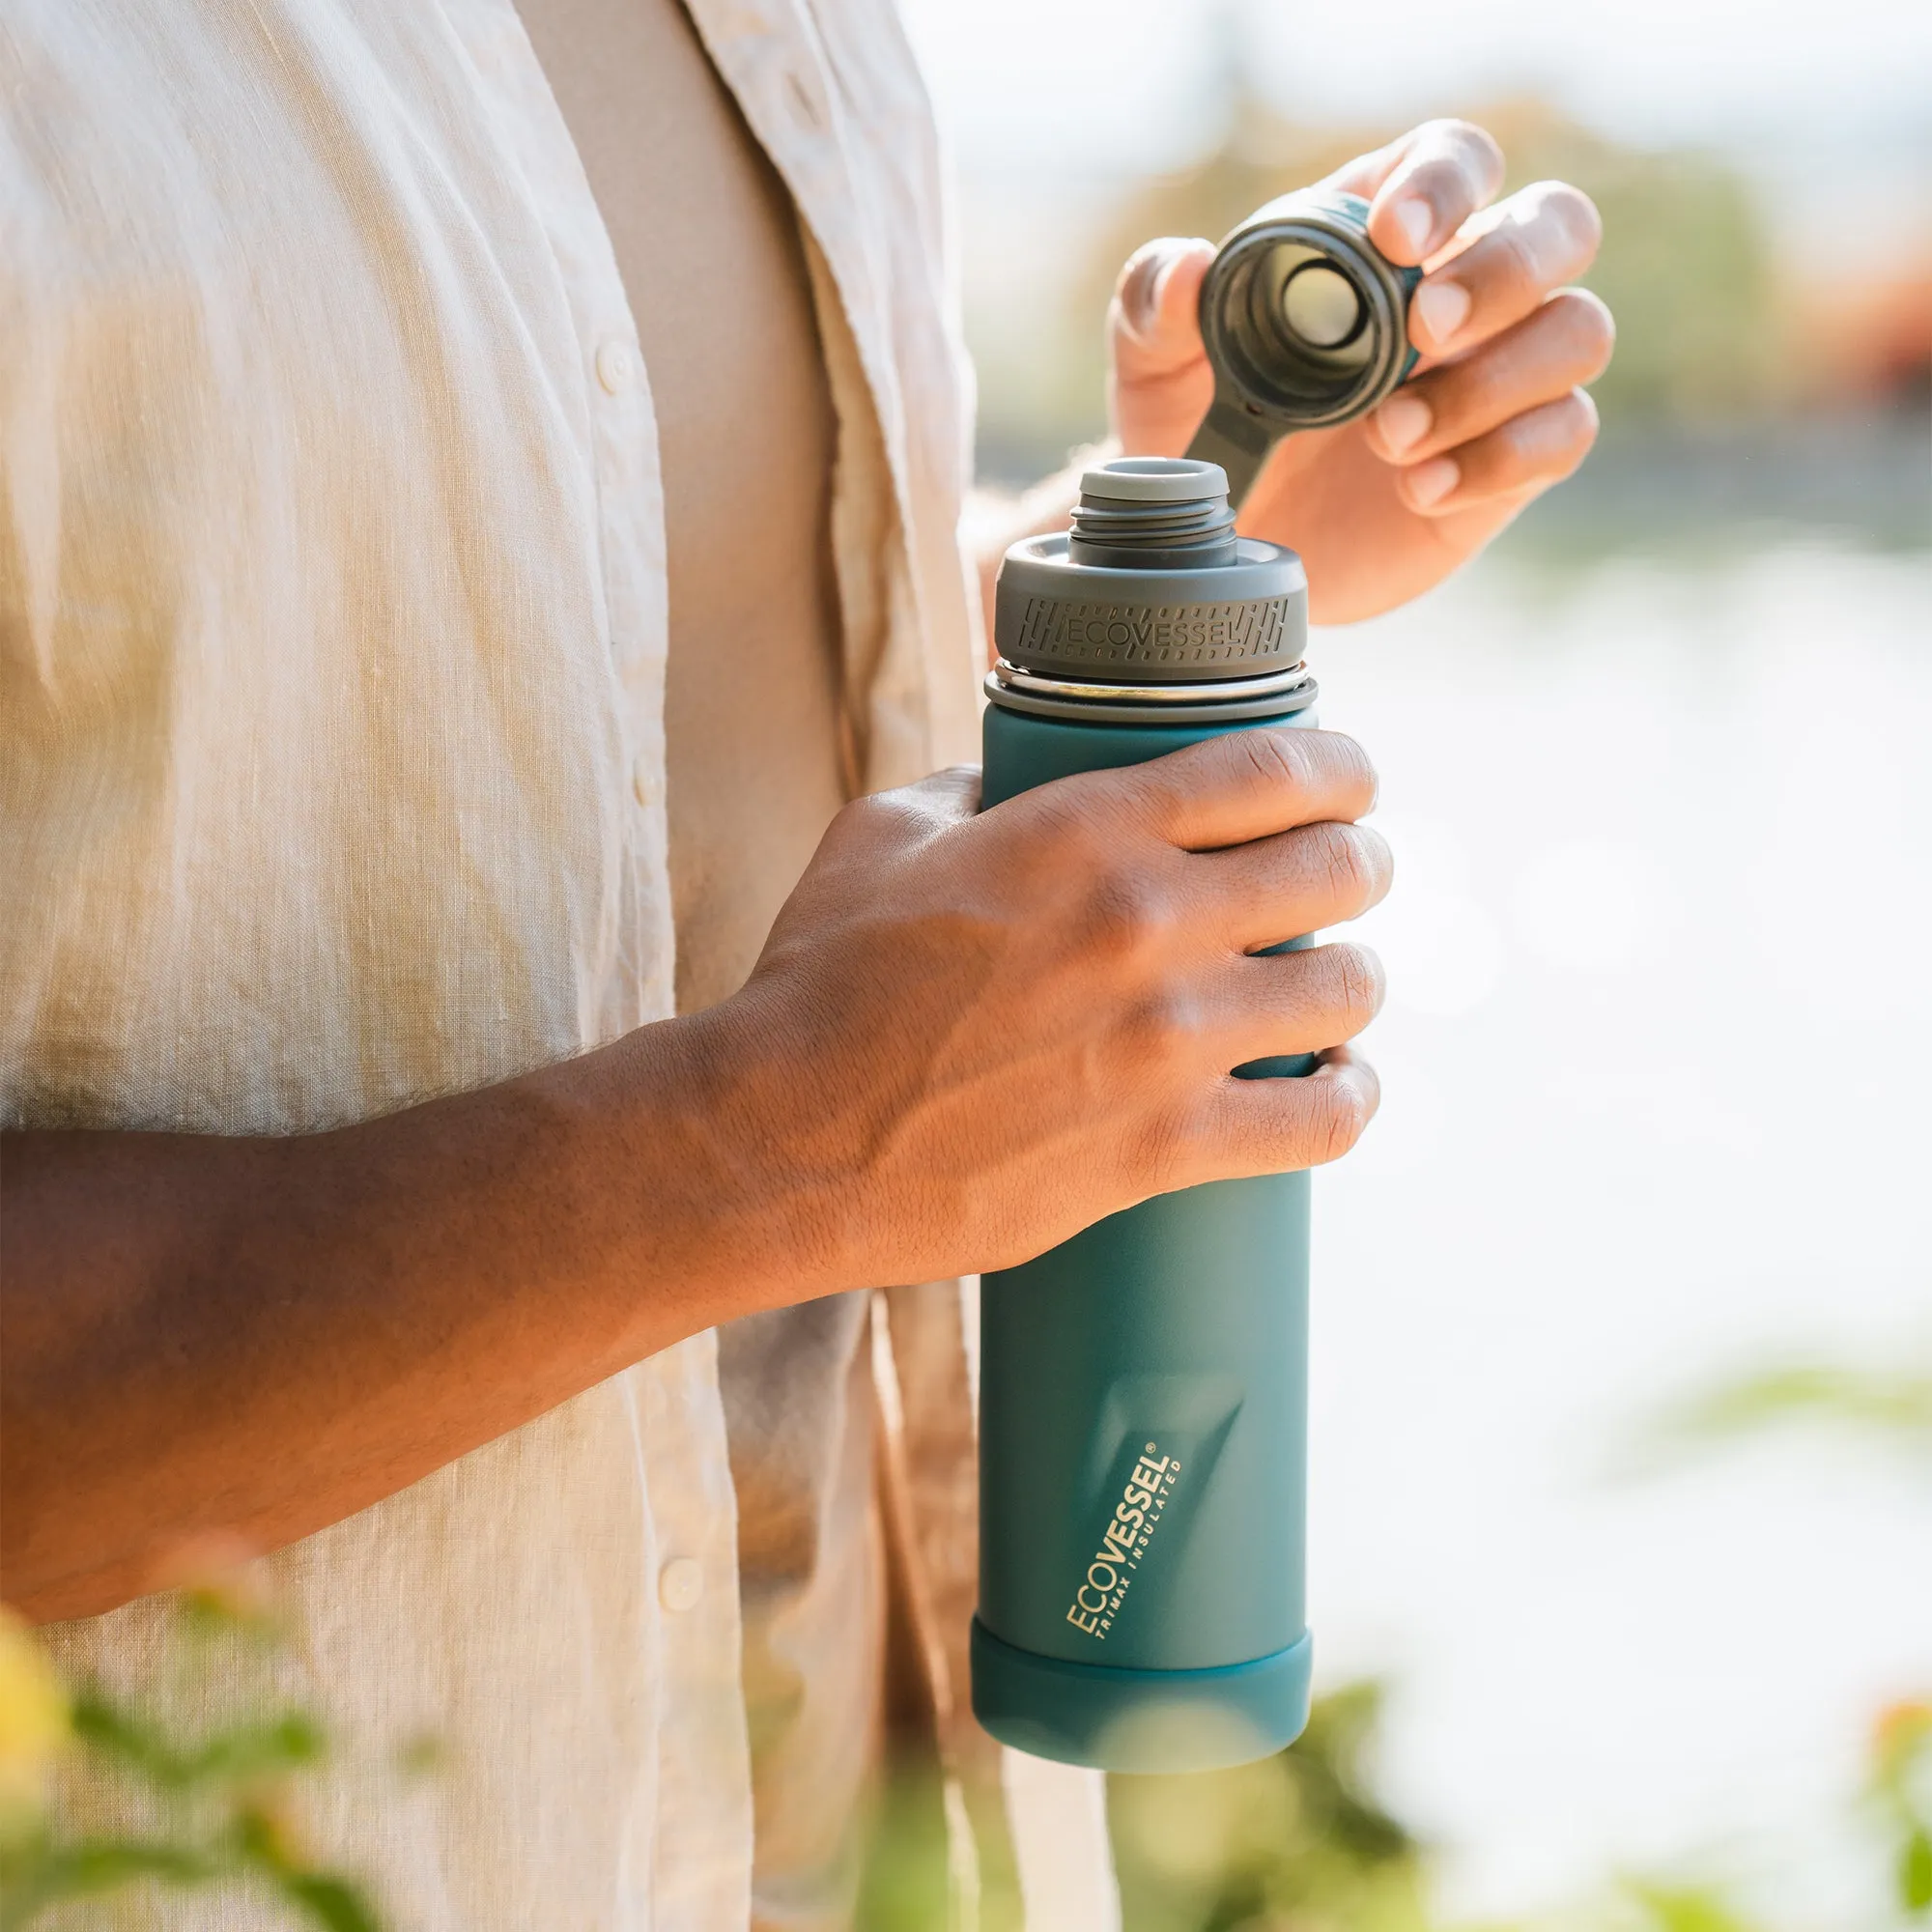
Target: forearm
x=263 y=1336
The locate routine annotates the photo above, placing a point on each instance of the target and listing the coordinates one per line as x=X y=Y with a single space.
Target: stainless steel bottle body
x=1144 y=1433
x=1142 y=1436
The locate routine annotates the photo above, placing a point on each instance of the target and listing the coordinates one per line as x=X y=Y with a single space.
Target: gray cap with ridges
x=1151 y=586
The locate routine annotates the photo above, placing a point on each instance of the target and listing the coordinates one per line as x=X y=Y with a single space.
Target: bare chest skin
x=708 y=244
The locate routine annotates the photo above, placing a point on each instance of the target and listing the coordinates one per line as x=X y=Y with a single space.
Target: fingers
x=1278 y=1003
x=1242 y=786
x=1561 y=346
x=1535 y=241
x=1526 y=455
x=1424 y=186
x=1154 y=317
x=1274 y=1127
x=1158 y=382
x=1296 y=882
x=1507 y=417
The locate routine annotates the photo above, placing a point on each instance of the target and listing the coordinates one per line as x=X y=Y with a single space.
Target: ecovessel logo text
x=1123 y=1542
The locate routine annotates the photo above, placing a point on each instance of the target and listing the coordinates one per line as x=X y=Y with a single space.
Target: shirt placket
x=687 y=1867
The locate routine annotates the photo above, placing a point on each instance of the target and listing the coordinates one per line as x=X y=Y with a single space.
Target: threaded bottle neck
x=1150 y=605
x=1153 y=513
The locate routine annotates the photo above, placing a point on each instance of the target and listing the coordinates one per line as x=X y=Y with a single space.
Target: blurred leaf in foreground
x=1299 y=1840
x=1892 y=1403
x=211 y=1810
x=1693 y=1907
x=1900 y=1787
x=1915 y=1872
x=34 y=1725
x=1898 y=1403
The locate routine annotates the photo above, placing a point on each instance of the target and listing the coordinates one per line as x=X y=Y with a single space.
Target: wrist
x=729 y=1191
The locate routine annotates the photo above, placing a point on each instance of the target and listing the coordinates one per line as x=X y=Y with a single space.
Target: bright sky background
x=1065 y=82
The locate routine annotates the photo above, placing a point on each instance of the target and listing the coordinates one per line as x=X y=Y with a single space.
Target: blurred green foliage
x=1299 y=1840
x=1303 y=1842
x=1900 y=1792
x=216 y=1809
x=1894 y=1403
x=1685 y=1908
x=904 y=1886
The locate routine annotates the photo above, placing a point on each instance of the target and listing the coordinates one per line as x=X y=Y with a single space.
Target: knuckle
x=1126 y=911
x=1302 y=762
x=1591 y=328
x=1164 y=1032
x=1276 y=757
x=1166 y=1153
x=1358 y=985
x=1452 y=130
x=1521 y=264
x=1485 y=388
x=1140 y=277
x=1352 y=864
x=1141 y=265
x=1551 y=440
x=1575 y=215
x=1578 y=418
x=939 y=795
x=1341 y=1118
x=1351 y=759
x=1478 y=144
x=880 y=817
x=860 y=815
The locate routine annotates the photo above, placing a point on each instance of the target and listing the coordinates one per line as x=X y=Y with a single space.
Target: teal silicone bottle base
x=1145 y=1720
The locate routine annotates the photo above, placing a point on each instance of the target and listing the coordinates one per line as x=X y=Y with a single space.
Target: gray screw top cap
x=1151 y=586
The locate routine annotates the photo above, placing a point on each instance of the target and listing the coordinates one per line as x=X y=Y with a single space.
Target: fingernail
x=1403 y=421
x=1441 y=308
x=1430 y=482
x=1146 y=285
x=1417 y=221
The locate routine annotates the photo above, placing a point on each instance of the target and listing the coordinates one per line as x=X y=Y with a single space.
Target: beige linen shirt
x=332 y=637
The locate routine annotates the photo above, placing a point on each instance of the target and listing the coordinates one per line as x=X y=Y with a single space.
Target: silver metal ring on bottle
x=1220 y=692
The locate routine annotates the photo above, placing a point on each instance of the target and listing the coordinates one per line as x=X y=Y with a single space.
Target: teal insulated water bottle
x=1143 y=1433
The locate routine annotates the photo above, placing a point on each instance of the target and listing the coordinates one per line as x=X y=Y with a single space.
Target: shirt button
x=617 y=367
x=681 y=1584
x=641 y=787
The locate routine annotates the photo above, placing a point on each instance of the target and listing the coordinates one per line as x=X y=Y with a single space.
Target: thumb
x=1155 y=326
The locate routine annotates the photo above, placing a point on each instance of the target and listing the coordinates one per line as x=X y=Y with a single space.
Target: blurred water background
x=1658 y=1052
